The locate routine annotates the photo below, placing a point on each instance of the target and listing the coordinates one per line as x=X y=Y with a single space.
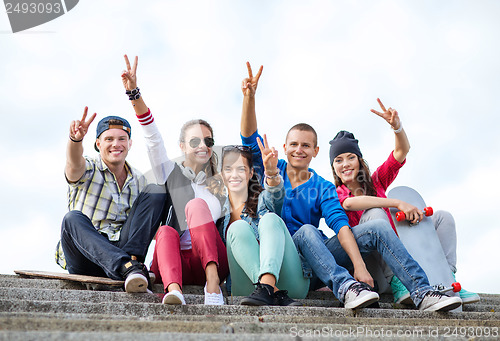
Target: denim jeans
x=374 y=235
x=315 y=256
x=88 y=252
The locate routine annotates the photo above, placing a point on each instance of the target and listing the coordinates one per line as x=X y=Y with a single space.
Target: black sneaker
x=262 y=295
x=281 y=298
x=136 y=277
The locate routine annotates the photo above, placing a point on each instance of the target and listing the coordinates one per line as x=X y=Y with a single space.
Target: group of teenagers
x=253 y=222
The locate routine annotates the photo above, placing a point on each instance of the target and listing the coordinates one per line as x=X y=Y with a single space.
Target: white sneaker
x=136 y=282
x=359 y=295
x=435 y=301
x=174 y=297
x=213 y=298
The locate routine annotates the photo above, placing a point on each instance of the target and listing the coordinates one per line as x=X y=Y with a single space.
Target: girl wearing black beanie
x=359 y=190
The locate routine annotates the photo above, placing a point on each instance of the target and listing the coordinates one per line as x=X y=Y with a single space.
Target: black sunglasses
x=195 y=142
x=236 y=147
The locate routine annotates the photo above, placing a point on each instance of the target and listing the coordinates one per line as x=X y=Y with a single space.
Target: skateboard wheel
x=400 y=216
x=428 y=211
x=456 y=287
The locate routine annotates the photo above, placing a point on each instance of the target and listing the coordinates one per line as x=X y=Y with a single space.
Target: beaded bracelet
x=133 y=94
x=272 y=177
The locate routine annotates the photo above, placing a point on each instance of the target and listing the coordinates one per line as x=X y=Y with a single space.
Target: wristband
x=76 y=141
x=133 y=94
x=273 y=176
x=396 y=131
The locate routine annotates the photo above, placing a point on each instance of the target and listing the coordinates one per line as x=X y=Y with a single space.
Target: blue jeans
x=374 y=235
x=88 y=252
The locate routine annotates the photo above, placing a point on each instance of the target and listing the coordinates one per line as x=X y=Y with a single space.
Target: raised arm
x=248 y=115
x=75 y=162
x=402 y=144
x=129 y=79
x=162 y=166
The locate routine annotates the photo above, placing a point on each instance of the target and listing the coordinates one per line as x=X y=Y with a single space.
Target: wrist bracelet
x=76 y=141
x=396 y=131
x=133 y=94
x=273 y=176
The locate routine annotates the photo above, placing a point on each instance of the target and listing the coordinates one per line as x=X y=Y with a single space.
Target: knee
x=372 y=214
x=166 y=232
x=271 y=219
x=239 y=229
x=443 y=217
x=195 y=206
x=155 y=194
x=72 y=218
x=307 y=231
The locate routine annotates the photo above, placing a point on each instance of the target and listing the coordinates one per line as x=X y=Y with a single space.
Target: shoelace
x=435 y=294
x=358 y=287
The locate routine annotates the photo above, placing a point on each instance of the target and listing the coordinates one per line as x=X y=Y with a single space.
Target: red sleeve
x=387 y=172
x=343 y=193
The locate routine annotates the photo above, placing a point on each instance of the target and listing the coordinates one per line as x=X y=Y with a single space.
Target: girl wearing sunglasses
x=189 y=249
x=262 y=255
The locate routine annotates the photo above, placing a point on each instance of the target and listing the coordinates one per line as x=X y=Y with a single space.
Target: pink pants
x=173 y=265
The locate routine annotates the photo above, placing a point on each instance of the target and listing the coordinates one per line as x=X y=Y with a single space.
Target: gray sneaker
x=359 y=295
x=436 y=301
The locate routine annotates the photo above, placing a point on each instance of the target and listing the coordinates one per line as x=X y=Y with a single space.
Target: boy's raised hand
x=249 y=84
x=269 y=156
x=79 y=128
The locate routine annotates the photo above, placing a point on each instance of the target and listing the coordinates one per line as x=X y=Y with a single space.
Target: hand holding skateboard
x=427 y=211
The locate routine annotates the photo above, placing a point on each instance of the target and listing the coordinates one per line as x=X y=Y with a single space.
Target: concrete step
x=32 y=309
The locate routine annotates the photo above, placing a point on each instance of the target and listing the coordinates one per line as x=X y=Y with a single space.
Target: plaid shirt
x=98 y=196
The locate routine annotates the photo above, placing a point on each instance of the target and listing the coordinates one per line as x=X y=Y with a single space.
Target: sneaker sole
x=363 y=302
x=253 y=302
x=136 y=283
x=470 y=300
x=172 y=299
x=452 y=303
x=405 y=299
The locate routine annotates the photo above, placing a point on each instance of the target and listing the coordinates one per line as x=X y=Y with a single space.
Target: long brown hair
x=254 y=187
x=364 y=178
x=214 y=181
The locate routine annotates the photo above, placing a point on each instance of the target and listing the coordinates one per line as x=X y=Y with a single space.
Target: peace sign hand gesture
x=129 y=76
x=390 y=115
x=78 y=129
x=249 y=84
x=269 y=157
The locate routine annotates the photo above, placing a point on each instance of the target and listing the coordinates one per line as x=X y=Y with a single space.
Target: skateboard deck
x=91 y=282
x=422 y=241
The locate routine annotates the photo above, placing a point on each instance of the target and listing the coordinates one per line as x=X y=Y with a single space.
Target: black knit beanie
x=343 y=142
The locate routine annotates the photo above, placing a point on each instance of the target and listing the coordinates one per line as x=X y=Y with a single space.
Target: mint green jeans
x=275 y=254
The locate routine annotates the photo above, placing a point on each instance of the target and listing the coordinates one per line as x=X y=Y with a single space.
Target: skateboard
x=422 y=242
x=90 y=282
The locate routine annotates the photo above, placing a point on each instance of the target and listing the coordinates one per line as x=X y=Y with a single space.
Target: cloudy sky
x=325 y=63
